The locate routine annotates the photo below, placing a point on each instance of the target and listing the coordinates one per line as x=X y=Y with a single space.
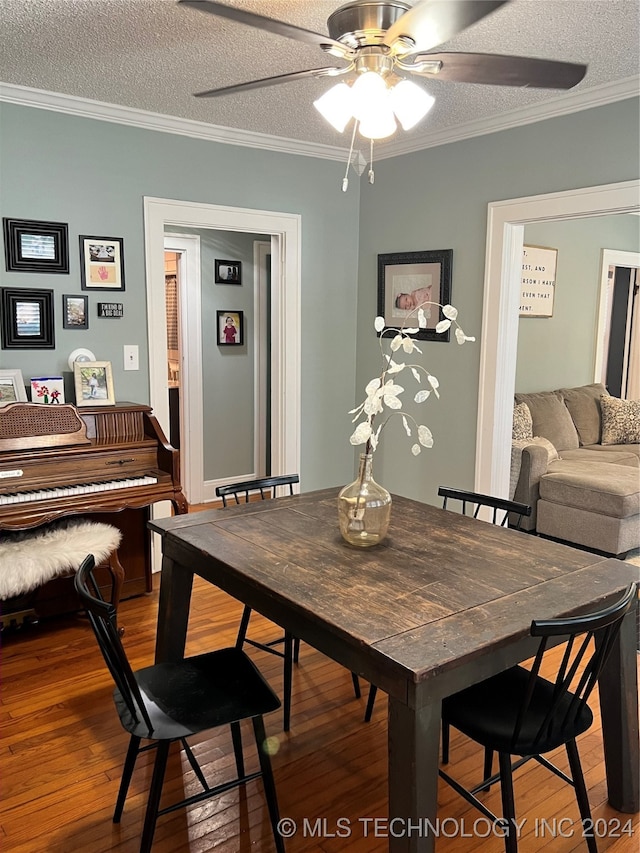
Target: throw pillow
x=551 y=419
x=620 y=420
x=522 y=422
x=584 y=407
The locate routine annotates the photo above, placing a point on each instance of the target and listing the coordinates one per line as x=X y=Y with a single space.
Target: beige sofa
x=581 y=471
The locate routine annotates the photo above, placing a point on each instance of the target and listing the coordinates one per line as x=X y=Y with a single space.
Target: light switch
x=131 y=357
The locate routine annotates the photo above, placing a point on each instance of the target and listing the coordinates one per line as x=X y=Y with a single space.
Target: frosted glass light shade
x=336 y=105
x=372 y=107
x=410 y=103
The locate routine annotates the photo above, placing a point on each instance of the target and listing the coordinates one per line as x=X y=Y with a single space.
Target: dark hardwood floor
x=62 y=750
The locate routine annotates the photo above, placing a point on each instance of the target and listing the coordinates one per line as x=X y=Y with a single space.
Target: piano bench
x=30 y=558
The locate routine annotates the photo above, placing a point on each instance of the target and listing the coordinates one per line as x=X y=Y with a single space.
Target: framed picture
x=538 y=281
x=228 y=272
x=230 y=331
x=94 y=383
x=101 y=263
x=27 y=319
x=47 y=390
x=32 y=246
x=12 y=388
x=75 y=312
x=407 y=280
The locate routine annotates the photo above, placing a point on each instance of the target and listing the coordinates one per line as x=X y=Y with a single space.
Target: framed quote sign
x=538 y=281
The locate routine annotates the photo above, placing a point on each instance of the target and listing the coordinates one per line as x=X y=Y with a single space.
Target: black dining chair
x=237 y=493
x=503 y=512
x=520 y=713
x=168 y=702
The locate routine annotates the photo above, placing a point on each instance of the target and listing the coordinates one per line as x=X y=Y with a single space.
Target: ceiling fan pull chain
x=371 y=172
x=345 y=180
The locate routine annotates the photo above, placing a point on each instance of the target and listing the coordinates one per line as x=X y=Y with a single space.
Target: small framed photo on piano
x=12 y=389
x=94 y=383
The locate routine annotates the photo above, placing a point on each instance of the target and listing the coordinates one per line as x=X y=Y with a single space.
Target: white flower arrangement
x=384 y=392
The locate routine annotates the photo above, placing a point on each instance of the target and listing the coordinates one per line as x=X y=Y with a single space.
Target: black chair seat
x=196 y=694
x=473 y=712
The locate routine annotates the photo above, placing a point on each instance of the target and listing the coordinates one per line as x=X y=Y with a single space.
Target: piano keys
x=108 y=464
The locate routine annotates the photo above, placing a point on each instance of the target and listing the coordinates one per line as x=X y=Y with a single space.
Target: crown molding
x=86 y=108
x=562 y=105
x=608 y=93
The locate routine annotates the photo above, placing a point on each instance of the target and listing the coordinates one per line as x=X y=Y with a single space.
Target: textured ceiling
x=153 y=54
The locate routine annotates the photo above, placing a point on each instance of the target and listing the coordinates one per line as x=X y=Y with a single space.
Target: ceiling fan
x=386 y=42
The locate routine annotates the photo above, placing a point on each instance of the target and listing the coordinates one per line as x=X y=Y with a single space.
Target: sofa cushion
x=551 y=419
x=620 y=420
x=584 y=407
x=591 y=487
x=522 y=422
x=616 y=453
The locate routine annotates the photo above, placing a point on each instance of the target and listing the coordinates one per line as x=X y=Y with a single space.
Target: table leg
x=618 y=685
x=176 y=582
x=414 y=741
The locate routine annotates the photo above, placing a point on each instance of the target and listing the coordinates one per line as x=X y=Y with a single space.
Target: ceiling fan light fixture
x=410 y=103
x=378 y=126
x=336 y=106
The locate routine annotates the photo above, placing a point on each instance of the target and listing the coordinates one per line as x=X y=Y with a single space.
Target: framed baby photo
x=411 y=280
x=230 y=328
x=101 y=263
x=93 y=383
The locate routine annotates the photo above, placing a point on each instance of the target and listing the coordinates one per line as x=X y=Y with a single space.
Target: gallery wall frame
x=227 y=272
x=101 y=263
x=27 y=318
x=32 y=245
x=12 y=388
x=93 y=382
x=409 y=279
x=75 y=311
x=230 y=325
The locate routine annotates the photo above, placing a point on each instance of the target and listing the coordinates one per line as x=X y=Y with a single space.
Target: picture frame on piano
x=12 y=387
x=93 y=383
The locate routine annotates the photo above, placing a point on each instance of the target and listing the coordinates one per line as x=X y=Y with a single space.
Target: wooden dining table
x=442 y=603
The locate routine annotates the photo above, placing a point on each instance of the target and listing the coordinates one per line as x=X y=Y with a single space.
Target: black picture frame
x=404 y=273
x=228 y=272
x=225 y=338
x=75 y=311
x=101 y=263
x=34 y=246
x=27 y=318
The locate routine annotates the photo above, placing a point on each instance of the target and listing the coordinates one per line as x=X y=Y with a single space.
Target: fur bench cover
x=30 y=558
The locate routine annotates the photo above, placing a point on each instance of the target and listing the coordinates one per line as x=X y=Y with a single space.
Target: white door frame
x=285 y=231
x=190 y=331
x=498 y=348
x=610 y=258
x=261 y=251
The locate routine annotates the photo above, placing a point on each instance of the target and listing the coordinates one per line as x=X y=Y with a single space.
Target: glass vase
x=364 y=508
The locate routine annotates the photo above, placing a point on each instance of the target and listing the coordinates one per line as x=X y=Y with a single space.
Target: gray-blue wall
x=437 y=199
x=93 y=175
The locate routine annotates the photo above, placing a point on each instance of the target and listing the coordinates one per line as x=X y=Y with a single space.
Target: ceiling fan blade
x=433 y=22
x=272 y=81
x=281 y=28
x=501 y=70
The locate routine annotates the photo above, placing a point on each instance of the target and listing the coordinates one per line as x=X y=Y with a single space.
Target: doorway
x=498 y=350
x=284 y=230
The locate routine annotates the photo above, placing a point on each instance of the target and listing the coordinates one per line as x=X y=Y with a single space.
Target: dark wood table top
x=436 y=595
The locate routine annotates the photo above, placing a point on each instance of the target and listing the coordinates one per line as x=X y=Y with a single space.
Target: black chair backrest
x=502 y=508
x=102 y=617
x=262 y=485
x=589 y=641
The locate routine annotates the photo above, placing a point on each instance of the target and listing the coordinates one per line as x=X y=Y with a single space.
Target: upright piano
x=109 y=464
